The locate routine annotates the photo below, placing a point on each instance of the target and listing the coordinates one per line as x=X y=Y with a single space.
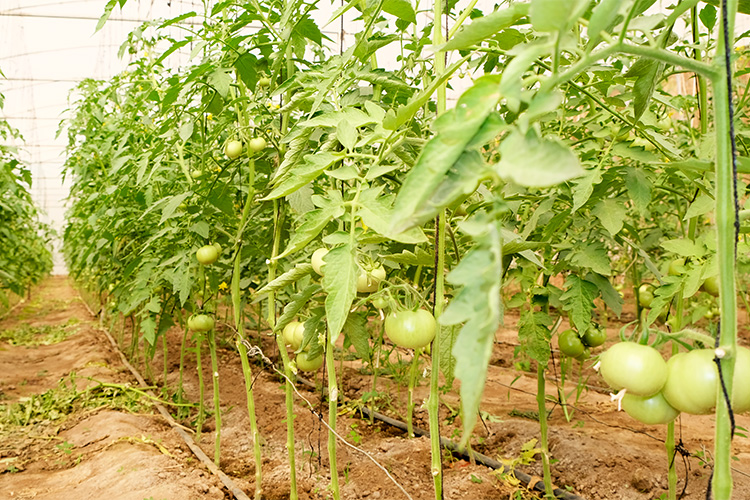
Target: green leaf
x=200 y=228
x=346 y=134
x=639 y=189
x=294 y=305
x=148 y=327
x=339 y=282
x=647 y=73
x=245 y=65
x=357 y=334
x=611 y=297
x=299 y=175
x=172 y=205
x=578 y=301
x=375 y=211
x=478 y=304
x=549 y=16
x=455 y=130
x=108 y=12
x=402 y=9
x=611 y=212
x=684 y=247
x=291 y=276
x=314 y=222
x=531 y=161
x=484 y=27
x=708 y=17
x=702 y=205
x=584 y=187
x=592 y=256
x=534 y=335
x=603 y=18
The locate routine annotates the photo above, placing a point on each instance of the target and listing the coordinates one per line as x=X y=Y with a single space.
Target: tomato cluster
x=576 y=346
x=657 y=391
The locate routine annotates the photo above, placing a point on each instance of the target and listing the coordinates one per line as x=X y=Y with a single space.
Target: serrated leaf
x=402 y=9
x=584 y=187
x=531 y=161
x=533 y=334
x=683 y=248
x=339 y=282
x=485 y=27
x=578 y=301
x=702 y=205
x=647 y=73
x=172 y=205
x=148 y=327
x=375 y=211
x=201 y=228
x=592 y=256
x=611 y=297
x=357 y=334
x=478 y=303
x=602 y=18
x=611 y=213
x=291 y=276
x=346 y=134
x=294 y=305
x=455 y=129
x=639 y=189
x=312 y=166
x=313 y=223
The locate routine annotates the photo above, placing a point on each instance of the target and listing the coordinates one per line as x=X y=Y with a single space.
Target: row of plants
x=25 y=256
x=282 y=175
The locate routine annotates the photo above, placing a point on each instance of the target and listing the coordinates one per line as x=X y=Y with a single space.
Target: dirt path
x=599 y=454
x=92 y=453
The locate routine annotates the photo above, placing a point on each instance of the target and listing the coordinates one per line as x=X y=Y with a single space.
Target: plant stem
x=541 y=400
x=410 y=395
x=215 y=381
x=248 y=375
x=333 y=396
x=725 y=224
x=201 y=410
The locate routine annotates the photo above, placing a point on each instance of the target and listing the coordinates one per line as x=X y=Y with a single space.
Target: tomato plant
x=411 y=329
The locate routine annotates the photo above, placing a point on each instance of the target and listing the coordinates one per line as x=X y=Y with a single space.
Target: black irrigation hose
x=451 y=446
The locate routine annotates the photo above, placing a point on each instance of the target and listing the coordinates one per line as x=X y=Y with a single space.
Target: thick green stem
x=702 y=87
x=541 y=400
x=288 y=393
x=413 y=371
x=433 y=403
x=217 y=406
x=247 y=373
x=333 y=397
x=201 y=410
x=725 y=220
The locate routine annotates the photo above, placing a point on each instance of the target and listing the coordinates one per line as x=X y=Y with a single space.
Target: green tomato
x=380 y=302
x=677 y=267
x=293 y=334
x=594 y=337
x=368 y=281
x=317 y=260
x=207 y=255
x=256 y=144
x=411 y=329
x=233 y=149
x=639 y=369
x=645 y=295
x=651 y=410
x=711 y=286
x=306 y=364
x=570 y=343
x=200 y=323
x=264 y=81
x=693 y=382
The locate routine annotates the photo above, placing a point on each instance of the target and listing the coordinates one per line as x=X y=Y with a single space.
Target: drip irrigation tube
x=537 y=486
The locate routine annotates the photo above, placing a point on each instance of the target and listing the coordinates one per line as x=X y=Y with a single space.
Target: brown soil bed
x=599 y=454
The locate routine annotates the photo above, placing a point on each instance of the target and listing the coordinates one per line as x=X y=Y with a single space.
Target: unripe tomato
x=207 y=254
x=264 y=81
x=306 y=364
x=256 y=144
x=570 y=343
x=639 y=369
x=645 y=295
x=711 y=286
x=368 y=282
x=233 y=149
x=650 y=410
x=693 y=382
x=200 y=323
x=411 y=329
x=677 y=267
x=293 y=333
x=380 y=302
x=317 y=260
x=594 y=337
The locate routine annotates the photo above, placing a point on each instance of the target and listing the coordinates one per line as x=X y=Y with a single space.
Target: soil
x=110 y=451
